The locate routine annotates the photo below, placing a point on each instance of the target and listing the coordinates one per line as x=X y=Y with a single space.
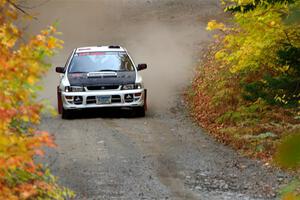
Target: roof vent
x=114 y=47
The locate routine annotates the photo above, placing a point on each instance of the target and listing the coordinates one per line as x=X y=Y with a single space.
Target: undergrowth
x=216 y=102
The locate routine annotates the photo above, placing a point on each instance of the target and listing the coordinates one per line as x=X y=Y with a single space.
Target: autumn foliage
x=247 y=89
x=22 y=64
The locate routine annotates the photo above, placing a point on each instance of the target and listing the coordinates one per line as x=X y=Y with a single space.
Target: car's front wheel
x=65 y=114
x=140 y=111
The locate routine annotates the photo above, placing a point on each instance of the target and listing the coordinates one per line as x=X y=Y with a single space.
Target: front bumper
x=119 y=98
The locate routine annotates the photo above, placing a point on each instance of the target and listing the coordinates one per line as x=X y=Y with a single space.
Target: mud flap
x=145 y=100
x=59 y=101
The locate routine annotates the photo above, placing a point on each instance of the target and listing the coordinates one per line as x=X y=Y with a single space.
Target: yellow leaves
x=235 y=69
x=52 y=29
x=9 y=35
x=22 y=96
x=272 y=23
x=51 y=43
x=25 y=118
x=31 y=79
x=220 y=55
x=281 y=99
x=11 y=12
x=245 y=2
x=290 y=196
x=282 y=69
x=40 y=38
x=2 y=3
x=46 y=40
x=213 y=25
x=22 y=63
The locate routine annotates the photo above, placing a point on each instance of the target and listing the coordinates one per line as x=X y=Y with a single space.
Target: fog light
x=69 y=97
x=138 y=94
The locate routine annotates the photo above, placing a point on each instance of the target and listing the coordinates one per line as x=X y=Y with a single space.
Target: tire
x=59 y=101
x=140 y=112
x=145 y=101
x=65 y=114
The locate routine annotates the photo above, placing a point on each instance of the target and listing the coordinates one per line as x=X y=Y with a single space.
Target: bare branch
x=20 y=9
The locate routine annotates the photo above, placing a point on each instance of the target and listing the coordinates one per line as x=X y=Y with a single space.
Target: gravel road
x=108 y=154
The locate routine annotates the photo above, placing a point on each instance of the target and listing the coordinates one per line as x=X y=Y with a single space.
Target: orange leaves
x=13 y=162
x=30 y=113
x=6 y=113
x=45 y=39
x=51 y=43
x=27 y=191
x=39 y=152
x=45 y=139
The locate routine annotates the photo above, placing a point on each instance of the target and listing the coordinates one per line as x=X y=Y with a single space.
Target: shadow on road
x=103 y=113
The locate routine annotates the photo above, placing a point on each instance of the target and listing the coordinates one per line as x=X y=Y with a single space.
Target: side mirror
x=141 y=67
x=60 y=70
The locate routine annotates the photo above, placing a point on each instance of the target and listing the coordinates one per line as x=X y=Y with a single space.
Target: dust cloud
x=159 y=33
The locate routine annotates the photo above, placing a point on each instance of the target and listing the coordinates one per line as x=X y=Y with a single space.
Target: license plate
x=103 y=99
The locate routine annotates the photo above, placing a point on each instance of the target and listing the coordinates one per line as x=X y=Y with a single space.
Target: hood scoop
x=102 y=74
x=102 y=78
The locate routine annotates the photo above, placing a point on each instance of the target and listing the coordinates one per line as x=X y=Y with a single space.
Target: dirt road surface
x=110 y=155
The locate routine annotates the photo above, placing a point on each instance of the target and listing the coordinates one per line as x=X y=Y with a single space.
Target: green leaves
x=248 y=91
x=261 y=43
x=293 y=17
x=288 y=155
x=289 y=192
x=244 y=6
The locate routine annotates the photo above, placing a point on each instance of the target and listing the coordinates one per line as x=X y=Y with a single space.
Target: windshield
x=100 y=61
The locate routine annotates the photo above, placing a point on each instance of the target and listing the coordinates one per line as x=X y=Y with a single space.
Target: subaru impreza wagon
x=98 y=77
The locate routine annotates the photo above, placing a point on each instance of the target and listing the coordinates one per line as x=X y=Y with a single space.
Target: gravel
x=107 y=154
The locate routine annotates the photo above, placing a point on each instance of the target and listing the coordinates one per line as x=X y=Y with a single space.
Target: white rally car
x=100 y=76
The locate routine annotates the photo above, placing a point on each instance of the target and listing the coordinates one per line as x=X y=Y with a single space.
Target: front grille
x=91 y=100
x=106 y=87
x=115 y=99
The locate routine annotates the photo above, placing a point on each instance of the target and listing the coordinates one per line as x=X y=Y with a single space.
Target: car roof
x=100 y=48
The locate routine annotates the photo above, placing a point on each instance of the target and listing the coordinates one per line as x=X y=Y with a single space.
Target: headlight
x=132 y=86
x=74 y=89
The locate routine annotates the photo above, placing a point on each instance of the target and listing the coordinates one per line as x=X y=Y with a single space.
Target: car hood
x=101 y=79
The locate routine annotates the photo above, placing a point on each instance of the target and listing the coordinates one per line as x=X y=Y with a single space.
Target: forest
x=247 y=88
